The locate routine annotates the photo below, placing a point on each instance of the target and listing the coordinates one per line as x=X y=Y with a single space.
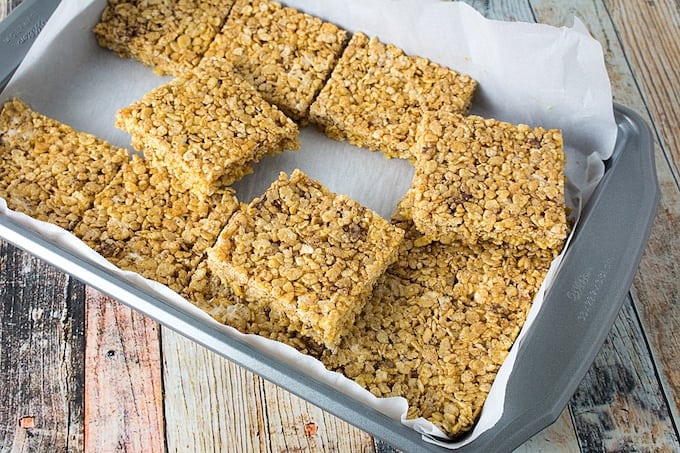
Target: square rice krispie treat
x=483 y=179
x=207 y=128
x=377 y=94
x=144 y=222
x=48 y=170
x=169 y=35
x=307 y=252
x=439 y=324
x=286 y=54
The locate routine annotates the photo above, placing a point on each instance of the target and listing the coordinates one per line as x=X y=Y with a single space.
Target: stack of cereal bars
x=425 y=306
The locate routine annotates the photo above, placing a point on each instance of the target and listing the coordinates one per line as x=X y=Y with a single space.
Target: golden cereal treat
x=144 y=222
x=377 y=94
x=483 y=179
x=208 y=293
x=310 y=254
x=439 y=324
x=207 y=128
x=284 y=53
x=169 y=35
x=48 y=170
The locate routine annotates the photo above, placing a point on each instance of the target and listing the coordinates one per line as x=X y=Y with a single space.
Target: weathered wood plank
x=123 y=387
x=41 y=356
x=203 y=403
x=210 y=404
x=558 y=437
x=6 y=6
x=657 y=293
x=619 y=405
x=649 y=33
x=296 y=425
x=657 y=285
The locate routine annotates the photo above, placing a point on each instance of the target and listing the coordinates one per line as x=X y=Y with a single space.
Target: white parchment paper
x=528 y=73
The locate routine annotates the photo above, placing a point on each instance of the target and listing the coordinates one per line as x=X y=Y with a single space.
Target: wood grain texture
x=212 y=405
x=123 y=387
x=41 y=356
x=6 y=6
x=560 y=437
x=512 y=10
x=619 y=405
x=656 y=286
x=657 y=293
x=649 y=33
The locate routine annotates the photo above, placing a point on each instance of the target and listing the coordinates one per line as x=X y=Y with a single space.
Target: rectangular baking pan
x=579 y=309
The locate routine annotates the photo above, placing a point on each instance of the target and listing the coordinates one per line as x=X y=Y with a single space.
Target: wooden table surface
x=81 y=372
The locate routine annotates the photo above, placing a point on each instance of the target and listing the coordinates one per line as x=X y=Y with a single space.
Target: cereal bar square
x=48 y=170
x=207 y=128
x=439 y=324
x=284 y=53
x=376 y=96
x=169 y=35
x=144 y=222
x=484 y=179
x=311 y=254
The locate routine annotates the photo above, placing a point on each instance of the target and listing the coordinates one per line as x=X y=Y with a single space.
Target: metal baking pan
x=579 y=309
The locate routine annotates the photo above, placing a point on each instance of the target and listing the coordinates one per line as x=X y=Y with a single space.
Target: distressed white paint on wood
x=41 y=356
x=560 y=437
x=123 y=387
x=650 y=31
x=620 y=405
x=211 y=403
x=512 y=10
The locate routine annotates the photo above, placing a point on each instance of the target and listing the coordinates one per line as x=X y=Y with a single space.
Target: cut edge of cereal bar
x=489 y=180
x=207 y=128
x=207 y=292
x=311 y=254
x=286 y=54
x=143 y=222
x=49 y=170
x=164 y=36
x=376 y=95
